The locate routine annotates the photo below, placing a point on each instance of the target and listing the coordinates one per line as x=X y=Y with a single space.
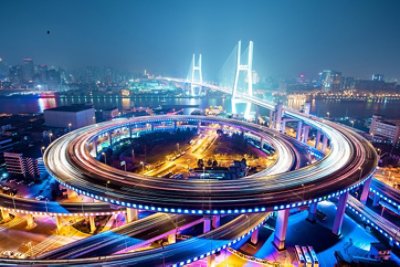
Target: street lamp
x=42 y=149
x=352 y=123
x=94 y=119
x=142 y=164
x=108 y=182
x=13 y=200
x=361 y=170
x=328 y=113
x=69 y=126
x=50 y=135
x=123 y=163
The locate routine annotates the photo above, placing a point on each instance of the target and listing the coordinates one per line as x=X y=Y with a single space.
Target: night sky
x=290 y=37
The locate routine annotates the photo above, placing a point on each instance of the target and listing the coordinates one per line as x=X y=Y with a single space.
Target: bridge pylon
x=248 y=71
x=196 y=76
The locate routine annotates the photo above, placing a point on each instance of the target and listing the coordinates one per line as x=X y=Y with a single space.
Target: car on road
x=20 y=255
x=8 y=254
x=40 y=198
x=5 y=188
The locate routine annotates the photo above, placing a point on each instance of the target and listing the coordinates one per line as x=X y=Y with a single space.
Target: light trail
x=68 y=161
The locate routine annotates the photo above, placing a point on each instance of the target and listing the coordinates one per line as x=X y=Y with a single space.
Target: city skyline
x=199 y=133
x=291 y=38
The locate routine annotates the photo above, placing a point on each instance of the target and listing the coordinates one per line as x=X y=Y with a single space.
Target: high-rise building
x=27 y=70
x=377 y=77
x=42 y=73
x=15 y=74
x=385 y=129
x=348 y=83
x=330 y=80
x=53 y=77
x=21 y=164
x=3 y=69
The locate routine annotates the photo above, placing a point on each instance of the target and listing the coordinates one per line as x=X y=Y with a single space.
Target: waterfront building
x=377 y=77
x=27 y=70
x=330 y=80
x=71 y=117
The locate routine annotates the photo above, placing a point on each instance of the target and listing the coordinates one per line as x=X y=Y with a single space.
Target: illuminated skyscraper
x=330 y=80
x=27 y=70
x=377 y=77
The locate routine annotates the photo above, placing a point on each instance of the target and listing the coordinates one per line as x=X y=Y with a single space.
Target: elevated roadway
x=351 y=160
x=132 y=235
x=24 y=205
x=177 y=254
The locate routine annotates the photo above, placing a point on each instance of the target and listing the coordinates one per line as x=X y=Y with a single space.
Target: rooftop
x=30 y=151
x=71 y=108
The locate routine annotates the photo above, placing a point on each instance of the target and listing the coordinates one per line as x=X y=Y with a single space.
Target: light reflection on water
x=318 y=107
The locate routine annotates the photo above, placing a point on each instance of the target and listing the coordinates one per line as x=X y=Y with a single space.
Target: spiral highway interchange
x=350 y=161
x=70 y=159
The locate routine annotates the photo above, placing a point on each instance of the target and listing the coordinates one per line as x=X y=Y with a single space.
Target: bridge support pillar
x=280 y=229
x=375 y=200
x=248 y=70
x=58 y=222
x=172 y=238
x=341 y=208
x=324 y=143
x=5 y=214
x=206 y=225
x=299 y=130
x=254 y=237
x=198 y=127
x=30 y=222
x=312 y=212
x=283 y=126
x=131 y=215
x=196 y=68
x=130 y=132
x=317 y=139
x=92 y=224
x=271 y=119
x=306 y=131
x=216 y=221
x=365 y=190
x=278 y=117
x=110 y=139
